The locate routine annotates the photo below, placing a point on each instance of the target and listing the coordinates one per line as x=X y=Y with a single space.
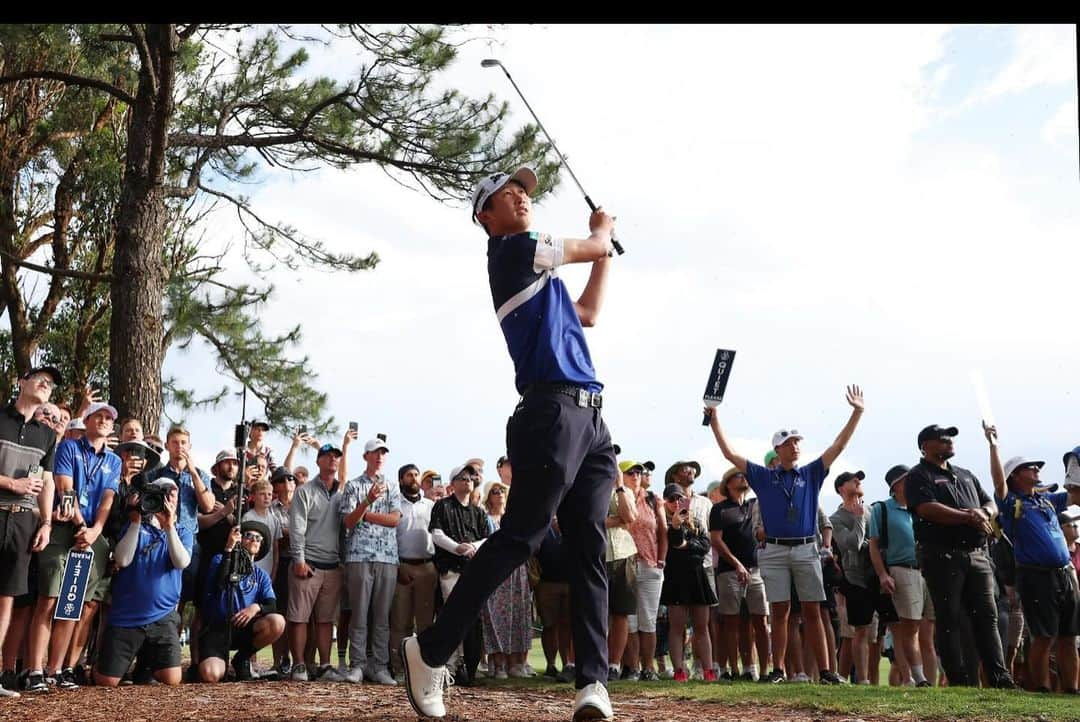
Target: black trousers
x=563 y=465
x=961 y=583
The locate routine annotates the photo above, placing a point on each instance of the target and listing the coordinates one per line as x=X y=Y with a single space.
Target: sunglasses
x=635 y=472
x=43 y=379
x=470 y=479
x=252 y=536
x=496 y=492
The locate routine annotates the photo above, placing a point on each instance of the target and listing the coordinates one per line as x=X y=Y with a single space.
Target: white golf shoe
x=424 y=684
x=592 y=703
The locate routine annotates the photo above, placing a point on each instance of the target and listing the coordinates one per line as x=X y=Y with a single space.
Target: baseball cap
x=51 y=370
x=771 y=457
x=328 y=449
x=1018 y=462
x=456 y=471
x=785 y=435
x=487 y=186
x=673 y=491
x=847 y=476
x=76 y=425
x=628 y=465
x=259 y=422
x=933 y=431
x=225 y=455
x=281 y=475
x=713 y=486
x=649 y=465
x=895 y=474
x=373 y=444
x=94 y=408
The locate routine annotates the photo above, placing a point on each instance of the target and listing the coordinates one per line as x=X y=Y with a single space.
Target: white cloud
x=1042 y=55
x=1061 y=129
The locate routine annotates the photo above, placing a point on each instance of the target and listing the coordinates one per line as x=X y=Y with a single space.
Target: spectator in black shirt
x=952 y=522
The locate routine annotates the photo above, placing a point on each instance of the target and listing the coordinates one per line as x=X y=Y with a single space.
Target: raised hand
x=855 y=398
x=991 y=432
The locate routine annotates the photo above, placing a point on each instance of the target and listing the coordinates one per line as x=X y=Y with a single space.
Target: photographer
x=239 y=608
x=150 y=557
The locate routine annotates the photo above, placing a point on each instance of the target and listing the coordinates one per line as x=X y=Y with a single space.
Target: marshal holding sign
x=73 y=590
x=718 y=379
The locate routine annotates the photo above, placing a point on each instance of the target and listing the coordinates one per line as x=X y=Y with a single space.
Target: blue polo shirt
x=901 y=535
x=92 y=474
x=780 y=489
x=255 y=588
x=1031 y=522
x=148 y=589
x=187 y=509
x=538 y=319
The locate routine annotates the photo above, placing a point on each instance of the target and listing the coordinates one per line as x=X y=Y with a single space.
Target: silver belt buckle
x=583 y=398
x=595 y=400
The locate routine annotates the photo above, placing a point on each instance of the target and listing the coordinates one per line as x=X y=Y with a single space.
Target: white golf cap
x=524 y=175
x=375 y=444
x=1018 y=461
x=785 y=435
x=76 y=425
x=456 y=471
x=94 y=408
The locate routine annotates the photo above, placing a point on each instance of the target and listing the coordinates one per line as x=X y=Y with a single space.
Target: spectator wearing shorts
x=238 y=613
x=143 y=620
x=788 y=499
x=553 y=603
x=621 y=559
x=1045 y=578
x=649 y=531
x=316 y=580
x=26 y=443
x=892 y=553
x=738 y=578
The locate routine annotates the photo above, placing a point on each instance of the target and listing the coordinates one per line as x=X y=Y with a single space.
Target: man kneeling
x=151 y=556
x=239 y=609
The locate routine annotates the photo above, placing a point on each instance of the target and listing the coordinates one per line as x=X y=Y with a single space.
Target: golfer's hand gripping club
x=614 y=242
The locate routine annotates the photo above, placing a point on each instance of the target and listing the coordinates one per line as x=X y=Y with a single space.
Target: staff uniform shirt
x=788 y=498
x=187 y=507
x=901 y=541
x=413 y=537
x=952 y=486
x=255 y=588
x=92 y=474
x=1031 y=522
x=736 y=522
x=368 y=541
x=538 y=319
x=22 y=444
x=148 y=589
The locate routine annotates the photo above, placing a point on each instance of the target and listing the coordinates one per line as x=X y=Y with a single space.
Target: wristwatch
x=620 y=489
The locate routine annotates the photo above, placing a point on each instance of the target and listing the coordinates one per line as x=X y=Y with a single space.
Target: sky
x=890 y=206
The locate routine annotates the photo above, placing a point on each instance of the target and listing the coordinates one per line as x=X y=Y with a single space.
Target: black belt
x=905 y=566
x=584 y=398
x=793 y=541
x=323 y=566
x=947 y=549
x=415 y=561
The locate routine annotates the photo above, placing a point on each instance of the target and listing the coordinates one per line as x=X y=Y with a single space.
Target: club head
x=490 y=63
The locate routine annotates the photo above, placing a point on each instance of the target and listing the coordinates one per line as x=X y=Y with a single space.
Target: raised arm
x=597 y=250
x=855 y=399
x=721 y=441
x=997 y=473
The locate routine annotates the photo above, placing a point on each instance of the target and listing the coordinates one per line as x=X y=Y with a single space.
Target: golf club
x=491 y=63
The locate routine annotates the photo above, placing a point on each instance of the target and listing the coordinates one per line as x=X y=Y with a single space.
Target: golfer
x=564 y=463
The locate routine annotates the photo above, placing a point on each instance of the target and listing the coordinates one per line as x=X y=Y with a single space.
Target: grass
x=939 y=703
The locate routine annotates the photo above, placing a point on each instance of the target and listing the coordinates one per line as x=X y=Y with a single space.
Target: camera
x=380 y=437
x=353 y=426
x=151 y=499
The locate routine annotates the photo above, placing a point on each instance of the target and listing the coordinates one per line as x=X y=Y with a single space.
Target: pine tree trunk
x=136 y=328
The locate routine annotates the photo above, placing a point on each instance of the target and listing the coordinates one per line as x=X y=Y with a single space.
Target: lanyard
x=788 y=493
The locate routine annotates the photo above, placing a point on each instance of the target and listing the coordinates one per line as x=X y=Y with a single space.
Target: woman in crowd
x=507 y=614
x=649 y=531
x=687 y=590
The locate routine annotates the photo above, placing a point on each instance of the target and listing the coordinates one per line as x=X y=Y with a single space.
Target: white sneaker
x=423 y=684
x=355 y=674
x=500 y=673
x=382 y=677
x=801 y=678
x=592 y=703
x=299 y=673
x=9 y=693
x=518 y=671
x=529 y=671
x=666 y=673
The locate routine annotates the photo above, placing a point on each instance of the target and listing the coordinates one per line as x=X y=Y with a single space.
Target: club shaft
x=562 y=159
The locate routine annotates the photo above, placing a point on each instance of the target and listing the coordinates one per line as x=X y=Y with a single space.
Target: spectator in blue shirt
x=1045 y=578
x=143 y=620
x=88 y=474
x=788 y=500
x=195 y=496
x=239 y=609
